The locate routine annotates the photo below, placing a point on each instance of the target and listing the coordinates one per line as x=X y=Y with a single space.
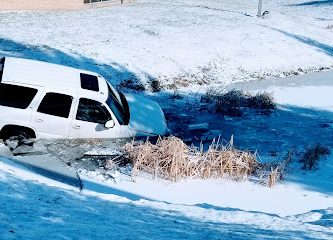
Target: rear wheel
x=16 y=134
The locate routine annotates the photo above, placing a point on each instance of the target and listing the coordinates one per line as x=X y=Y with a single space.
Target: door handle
x=77 y=126
x=39 y=120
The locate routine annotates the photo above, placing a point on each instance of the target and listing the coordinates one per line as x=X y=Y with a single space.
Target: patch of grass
x=261 y=101
x=230 y=103
x=233 y=102
x=176 y=95
x=155 y=85
x=131 y=84
x=210 y=95
x=312 y=155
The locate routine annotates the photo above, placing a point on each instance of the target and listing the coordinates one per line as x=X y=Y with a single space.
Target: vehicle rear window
x=89 y=82
x=56 y=104
x=16 y=96
x=2 y=65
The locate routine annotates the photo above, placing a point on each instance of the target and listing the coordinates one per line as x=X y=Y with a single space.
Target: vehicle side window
x=89 y=82
x=16 y=96
x=56 y=104
x=92 y=111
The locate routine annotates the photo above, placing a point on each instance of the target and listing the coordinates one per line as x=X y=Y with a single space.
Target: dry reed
x=276 y=171
x=274 y=176
x=170 y=158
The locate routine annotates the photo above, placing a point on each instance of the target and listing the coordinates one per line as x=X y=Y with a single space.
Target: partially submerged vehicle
x=44 y=100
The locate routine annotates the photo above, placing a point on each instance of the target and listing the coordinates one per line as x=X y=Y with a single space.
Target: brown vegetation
x=170 y=158
x=277 y=171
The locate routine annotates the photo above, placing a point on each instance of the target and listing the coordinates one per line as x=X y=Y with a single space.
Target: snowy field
x=195 y=41
x=189 y=43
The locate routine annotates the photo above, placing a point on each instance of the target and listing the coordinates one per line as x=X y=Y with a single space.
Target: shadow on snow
x=313 y=3
x=44 y=211
x=327 y=49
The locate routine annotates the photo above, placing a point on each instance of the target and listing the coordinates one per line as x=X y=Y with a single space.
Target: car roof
x=48 y=75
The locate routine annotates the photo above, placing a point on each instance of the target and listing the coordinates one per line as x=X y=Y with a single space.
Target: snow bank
x=32 y=210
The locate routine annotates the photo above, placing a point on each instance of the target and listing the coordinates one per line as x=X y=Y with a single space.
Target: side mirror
x=109 y=124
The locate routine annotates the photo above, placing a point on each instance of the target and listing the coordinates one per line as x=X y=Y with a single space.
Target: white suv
x=43 y=100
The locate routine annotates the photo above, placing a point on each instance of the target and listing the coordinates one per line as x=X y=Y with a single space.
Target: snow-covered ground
x=196 y=41
x=187 y=42
x=35 y=207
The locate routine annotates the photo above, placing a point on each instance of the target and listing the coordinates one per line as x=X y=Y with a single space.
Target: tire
x=18 y=134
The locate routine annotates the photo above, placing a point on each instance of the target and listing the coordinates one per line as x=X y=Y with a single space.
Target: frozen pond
x=314 y=90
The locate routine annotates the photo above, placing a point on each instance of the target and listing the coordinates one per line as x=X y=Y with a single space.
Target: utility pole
x=259 y=14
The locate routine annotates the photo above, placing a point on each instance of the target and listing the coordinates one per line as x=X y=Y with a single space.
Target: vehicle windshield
x=118 y=105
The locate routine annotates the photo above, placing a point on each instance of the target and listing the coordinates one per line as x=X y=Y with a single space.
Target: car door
x=90 y=119
x=53 y=116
